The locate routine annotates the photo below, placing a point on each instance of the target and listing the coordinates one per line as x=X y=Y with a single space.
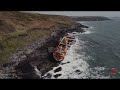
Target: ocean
x=95 y=53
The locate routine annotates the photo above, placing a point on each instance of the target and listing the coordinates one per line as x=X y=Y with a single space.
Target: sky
x=82 y=13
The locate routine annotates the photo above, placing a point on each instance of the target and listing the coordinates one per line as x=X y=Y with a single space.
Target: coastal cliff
x=18 y=30
x=24 y=39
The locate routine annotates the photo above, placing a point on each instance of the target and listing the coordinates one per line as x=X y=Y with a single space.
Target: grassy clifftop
x=19 y=29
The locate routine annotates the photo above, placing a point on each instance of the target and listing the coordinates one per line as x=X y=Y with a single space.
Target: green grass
x=24 y=33
x=16 y=41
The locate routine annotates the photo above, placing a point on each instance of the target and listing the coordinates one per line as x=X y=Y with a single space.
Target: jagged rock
x=57 y=75
x=58 y=69
x=78 y=71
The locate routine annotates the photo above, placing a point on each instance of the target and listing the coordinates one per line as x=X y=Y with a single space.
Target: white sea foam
x=91 y=27
x=87 y=32
x=82 y=22
x=76 y=63
x=78 y=67
x=79 y=62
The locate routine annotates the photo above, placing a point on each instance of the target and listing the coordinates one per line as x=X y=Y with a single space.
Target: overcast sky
x=83 y=13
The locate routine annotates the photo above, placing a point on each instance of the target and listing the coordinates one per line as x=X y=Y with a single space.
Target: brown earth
x=18 y=29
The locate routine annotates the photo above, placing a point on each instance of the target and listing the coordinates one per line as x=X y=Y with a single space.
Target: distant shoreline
x=90 y=18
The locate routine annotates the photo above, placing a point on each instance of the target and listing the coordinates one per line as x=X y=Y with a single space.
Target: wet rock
x=65 y=63
x=83 y=26
x=78 y=71
x=48 y=75
x=57 y=75
x=58 y=69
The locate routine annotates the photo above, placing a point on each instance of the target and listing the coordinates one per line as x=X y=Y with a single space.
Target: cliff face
x=90 y=18
x=24 y=42
x=18 y=29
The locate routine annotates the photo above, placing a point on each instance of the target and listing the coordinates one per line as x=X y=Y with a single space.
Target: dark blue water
x=103 y=45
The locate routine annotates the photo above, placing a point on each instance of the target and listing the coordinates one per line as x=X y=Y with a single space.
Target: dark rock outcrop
x=58 y=69
x=57 y=75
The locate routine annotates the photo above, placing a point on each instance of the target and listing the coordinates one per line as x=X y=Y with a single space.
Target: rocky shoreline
x=34 y=60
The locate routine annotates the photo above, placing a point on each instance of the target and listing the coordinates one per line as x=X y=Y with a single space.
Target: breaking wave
x=75 y=65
